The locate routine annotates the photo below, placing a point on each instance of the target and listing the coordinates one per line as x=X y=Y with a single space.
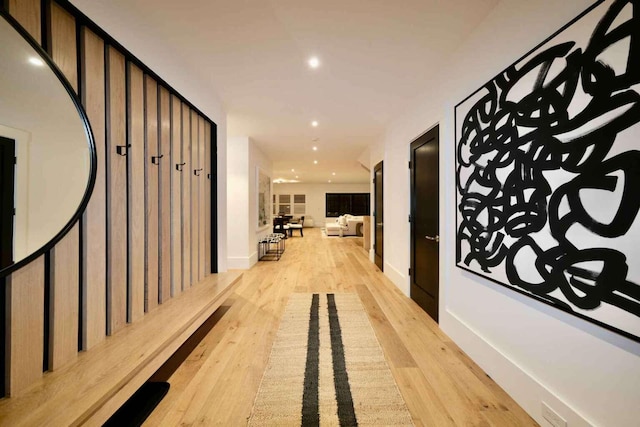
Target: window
x=282 y=203
x=347 y=203
x=285 y=209
x=299 y=206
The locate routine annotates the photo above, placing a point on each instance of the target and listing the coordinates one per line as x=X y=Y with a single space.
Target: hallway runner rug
x=327 y=368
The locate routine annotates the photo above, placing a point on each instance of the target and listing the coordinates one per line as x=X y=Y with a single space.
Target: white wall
x=536 y=353
x=257 y=159
x=238 y=202
x=243 y=160
x=124 y=26
x=316 y=201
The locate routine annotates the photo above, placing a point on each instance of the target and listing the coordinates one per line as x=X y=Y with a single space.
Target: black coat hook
x=179 y=166
x=122 y=149
x=156 y=159
x=196 y=172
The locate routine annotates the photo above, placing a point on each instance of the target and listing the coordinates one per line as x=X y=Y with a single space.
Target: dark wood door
x=7 y=179
x=378 y=216
x=424 y=222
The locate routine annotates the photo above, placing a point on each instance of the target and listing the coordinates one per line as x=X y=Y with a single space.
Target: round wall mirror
x=47 y=156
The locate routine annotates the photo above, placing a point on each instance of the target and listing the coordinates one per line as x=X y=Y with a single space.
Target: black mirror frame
x=93 y=160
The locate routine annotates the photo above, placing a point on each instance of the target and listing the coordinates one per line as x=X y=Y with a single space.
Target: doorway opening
x=378 y=217
x=7 y=205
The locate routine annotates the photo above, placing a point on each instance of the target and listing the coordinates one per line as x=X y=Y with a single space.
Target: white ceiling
x=376 y=56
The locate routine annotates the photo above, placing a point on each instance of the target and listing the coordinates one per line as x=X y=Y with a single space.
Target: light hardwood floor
x=214 y=380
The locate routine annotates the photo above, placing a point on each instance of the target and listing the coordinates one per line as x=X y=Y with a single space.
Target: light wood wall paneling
x=94 y=223
x=25 y=288
x=62 y=43
x=64 y=304
x=202 y=180
x=165 y=195
x=207 y=198
x=28 y=14
x=151 y=193
x=135 y=170
x=25 y=326
x=64 y=274
x=116 y=192
x=187 y=172
x=195 y=194
x=176 y=196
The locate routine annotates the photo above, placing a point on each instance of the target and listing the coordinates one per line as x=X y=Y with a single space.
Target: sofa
x=345 y=225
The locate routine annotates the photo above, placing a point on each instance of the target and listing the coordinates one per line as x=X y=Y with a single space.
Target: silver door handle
x=379 y=224
x=435 y=239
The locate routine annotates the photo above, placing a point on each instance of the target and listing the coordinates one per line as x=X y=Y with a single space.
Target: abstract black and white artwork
x=548 y=171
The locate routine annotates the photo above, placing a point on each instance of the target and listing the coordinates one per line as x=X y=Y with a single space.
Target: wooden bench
x=92 y=388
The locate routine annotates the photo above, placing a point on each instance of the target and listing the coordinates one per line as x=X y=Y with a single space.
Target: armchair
x=296 y=226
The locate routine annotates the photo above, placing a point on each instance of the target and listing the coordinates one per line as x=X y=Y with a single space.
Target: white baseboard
x=526 y=390
x=399 y=279
x=253 y=259
x=239 y=263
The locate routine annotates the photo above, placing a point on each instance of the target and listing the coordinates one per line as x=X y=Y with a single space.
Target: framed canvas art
x=548 y=171
x=264 y=198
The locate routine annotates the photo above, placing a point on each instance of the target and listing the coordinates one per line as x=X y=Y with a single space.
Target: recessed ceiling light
x=293 y=170
x=314 y=123
x=36 y=61
x=329 y=181
x=297 y=177
x=315 y=162
x=315 y=148
x=333 y=173
x=314 y=62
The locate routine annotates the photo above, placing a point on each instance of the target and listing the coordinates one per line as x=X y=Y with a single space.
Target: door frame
x=412 y=211
x=376 y=168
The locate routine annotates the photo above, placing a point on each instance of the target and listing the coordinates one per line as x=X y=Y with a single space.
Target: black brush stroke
x=346 y=411
x=310 y=404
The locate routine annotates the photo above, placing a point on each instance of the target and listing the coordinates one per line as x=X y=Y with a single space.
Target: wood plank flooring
x=214 y=378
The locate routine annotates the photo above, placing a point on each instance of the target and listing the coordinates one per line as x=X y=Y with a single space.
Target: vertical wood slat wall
x=176 y=197
x=144 y=236
x=117 y=226
x=64 y=274
x=195 y=185
x=151 y=194
x=24 y=352
x=135 y=166
x=186 y=197
x=94 y=221
x=208 y=173
x=164 y=170
x=202 y=176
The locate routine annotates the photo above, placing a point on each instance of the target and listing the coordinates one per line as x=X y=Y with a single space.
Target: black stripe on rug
x=346 y=412
x=310 y=410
